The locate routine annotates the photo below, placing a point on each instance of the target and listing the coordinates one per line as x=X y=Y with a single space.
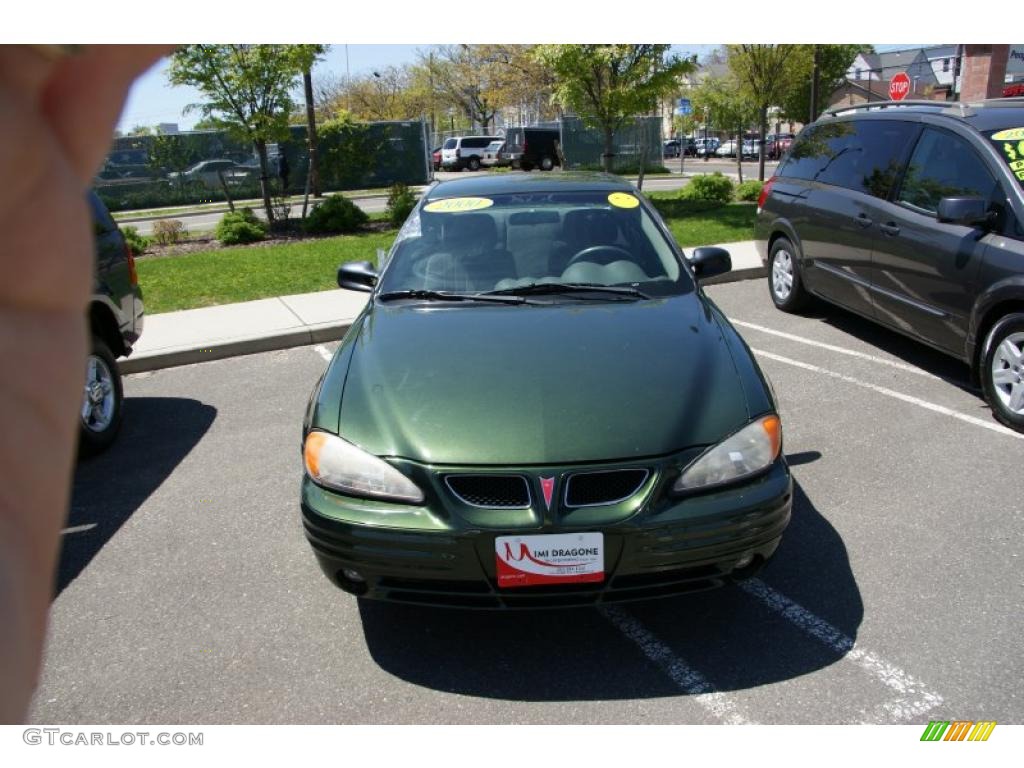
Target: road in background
x=188 y=593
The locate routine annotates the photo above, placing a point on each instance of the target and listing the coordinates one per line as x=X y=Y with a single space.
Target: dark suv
x=115 y=323
x=912 y=215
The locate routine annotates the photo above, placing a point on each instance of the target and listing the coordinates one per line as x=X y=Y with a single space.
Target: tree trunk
x=609 y=143
x=314 y=168
x=641 y=147
x=763 y=121
x=261 y=151
x=739 y=153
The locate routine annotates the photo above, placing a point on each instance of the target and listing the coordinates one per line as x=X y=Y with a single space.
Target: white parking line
x=324 y=352
x=689 y=680
x=78 y=529
x=893 y=393
x=913 y=698
x=840 y=350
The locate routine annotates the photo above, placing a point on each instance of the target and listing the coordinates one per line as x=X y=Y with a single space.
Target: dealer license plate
x=562 y=558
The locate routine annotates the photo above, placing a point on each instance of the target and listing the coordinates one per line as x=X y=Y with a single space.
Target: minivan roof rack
x=958 y=108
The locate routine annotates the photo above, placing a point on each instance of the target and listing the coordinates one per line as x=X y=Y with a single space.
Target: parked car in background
x=492 y=155
x=435 y=158
x=671 y=148
x=913 y=218
x=465 y=152
x=777 y=145
x=208 y=172
x=707 y=146
x=529 y=148
x=613 y=440
x=115 y=324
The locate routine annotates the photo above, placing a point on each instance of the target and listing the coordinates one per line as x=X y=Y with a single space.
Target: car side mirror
x=966 y=211
x=357 y=276
x=709 y=261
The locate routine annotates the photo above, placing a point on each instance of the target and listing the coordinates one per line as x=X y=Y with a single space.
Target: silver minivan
x=461 y=152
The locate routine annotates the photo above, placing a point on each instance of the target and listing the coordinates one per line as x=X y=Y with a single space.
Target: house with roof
x=883 y=66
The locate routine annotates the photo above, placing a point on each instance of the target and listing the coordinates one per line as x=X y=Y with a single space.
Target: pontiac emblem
x=547 y=485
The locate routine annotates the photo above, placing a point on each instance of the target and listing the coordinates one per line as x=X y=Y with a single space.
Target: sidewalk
x=212 y=333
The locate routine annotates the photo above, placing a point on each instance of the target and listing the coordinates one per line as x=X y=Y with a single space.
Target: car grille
x=490 y=491
x=591 y=489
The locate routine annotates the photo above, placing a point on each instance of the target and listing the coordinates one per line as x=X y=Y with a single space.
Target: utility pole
x=814 y=85
x=314 y=174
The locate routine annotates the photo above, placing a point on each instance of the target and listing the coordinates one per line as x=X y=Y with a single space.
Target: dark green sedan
x=539 y=407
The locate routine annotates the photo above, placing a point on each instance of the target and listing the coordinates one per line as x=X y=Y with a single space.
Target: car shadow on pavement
x=732 y=637
x=914 y=353
x=156 y=434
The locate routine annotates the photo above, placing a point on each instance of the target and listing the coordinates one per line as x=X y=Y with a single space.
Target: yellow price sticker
x=458 y=205
x=1010 y=134
x=623 y=200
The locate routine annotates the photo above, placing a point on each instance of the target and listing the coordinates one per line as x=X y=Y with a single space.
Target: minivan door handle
x=864 y=221
x=890 y=228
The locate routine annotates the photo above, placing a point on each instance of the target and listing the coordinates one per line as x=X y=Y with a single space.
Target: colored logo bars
x=958 y=730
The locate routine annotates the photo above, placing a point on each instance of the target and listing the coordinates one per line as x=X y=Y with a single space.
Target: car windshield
x=513 y=241
x=451 y=143
x=1009 y=143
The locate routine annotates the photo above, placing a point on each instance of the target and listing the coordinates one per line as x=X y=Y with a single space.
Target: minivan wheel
x=474 y=164
x=546 y=163
x=102 y=400
x=1002 y=373
x=784 y=282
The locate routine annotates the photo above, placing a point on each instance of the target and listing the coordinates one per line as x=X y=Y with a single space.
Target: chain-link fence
x=195 y=167
x=637 y=141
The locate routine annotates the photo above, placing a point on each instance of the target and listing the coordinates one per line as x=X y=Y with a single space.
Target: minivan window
x=450 y=144
x=861 y=155
x=1009 y=143
x=944 y=165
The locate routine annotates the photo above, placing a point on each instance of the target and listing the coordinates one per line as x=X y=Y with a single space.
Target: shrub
x=137 y=243
x=400 y=204
x=239 y=227
x=714 y=186
x=336 y=214
x=169 y=231
x=749 y=190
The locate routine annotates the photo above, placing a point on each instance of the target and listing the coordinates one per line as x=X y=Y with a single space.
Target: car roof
x=988 y=115
x=511 y=183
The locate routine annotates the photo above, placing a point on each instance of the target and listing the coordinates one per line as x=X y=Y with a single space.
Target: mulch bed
x=207 y=242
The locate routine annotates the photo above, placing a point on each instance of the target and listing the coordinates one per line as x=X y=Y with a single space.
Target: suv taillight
x=765 y=191
x=133 y=276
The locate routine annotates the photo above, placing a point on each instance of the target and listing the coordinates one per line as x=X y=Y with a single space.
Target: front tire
x=474 y=164
x=102 y=400
x=546 y=163
x=784 y=283
x=1002 y=372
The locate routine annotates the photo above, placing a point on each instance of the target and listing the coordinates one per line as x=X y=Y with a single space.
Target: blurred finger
x=83 y=96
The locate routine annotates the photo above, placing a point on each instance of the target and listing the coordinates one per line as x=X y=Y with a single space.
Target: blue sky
x=153 y=100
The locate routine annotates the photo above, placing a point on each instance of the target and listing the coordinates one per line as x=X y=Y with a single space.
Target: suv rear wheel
x=1002 y=373
x=546 y=163
x=102 y=399
x=474 y=163
x=784 y=282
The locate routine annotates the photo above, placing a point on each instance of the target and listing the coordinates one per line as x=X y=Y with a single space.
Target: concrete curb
x=236 y=347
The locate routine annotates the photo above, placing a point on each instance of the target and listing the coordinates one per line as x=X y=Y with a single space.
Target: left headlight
x=744 y=453
x=336 y=463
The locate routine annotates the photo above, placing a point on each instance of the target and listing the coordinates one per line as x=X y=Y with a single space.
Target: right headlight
x=746 y=452
x=336 y=463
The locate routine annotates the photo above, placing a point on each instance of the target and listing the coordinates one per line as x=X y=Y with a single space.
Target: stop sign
x=899 y=86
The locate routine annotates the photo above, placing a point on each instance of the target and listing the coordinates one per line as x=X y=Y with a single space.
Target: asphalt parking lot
x=187 y=593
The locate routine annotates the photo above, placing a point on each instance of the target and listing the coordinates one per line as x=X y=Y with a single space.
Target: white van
x=465 y=152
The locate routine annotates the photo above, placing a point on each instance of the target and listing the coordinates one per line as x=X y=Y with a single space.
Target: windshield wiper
x=423 y=293
x=542 y=288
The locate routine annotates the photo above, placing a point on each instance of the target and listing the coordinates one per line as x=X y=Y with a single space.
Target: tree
x=142 y=130
x=729 y=105
x=470 y=78
x=607 y=84
x=760 y=70
x=833 y=63
x=247 y=88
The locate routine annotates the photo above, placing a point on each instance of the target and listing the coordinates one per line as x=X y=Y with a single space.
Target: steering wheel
x=611 y=253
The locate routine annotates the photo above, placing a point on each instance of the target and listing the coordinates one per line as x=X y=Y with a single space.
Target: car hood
x=525 y=384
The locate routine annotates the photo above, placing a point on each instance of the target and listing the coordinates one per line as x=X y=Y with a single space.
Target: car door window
x=944 y=165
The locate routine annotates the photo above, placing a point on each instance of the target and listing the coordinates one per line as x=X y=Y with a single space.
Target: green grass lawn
x=228 y=275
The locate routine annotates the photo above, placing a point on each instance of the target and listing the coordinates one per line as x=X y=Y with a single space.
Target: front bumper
x=663 y=548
